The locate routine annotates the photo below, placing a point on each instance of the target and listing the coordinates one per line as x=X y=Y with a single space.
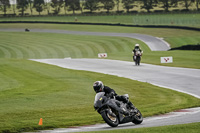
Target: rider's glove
x=111 y=95
x=125 y=99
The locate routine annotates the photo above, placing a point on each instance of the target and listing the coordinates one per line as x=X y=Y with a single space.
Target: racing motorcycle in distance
x=111 y=111
x=137 y=58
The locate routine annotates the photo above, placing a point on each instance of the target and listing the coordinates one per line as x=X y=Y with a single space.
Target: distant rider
x=136 y=51
x=99 y=87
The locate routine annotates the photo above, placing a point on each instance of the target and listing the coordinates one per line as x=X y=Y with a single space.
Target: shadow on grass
x=187 y=47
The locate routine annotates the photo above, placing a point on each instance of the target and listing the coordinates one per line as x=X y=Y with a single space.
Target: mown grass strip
x=168 y=34
x=50 y=45
x=191 y=19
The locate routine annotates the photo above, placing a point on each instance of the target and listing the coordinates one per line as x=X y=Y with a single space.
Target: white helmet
x=137 y=45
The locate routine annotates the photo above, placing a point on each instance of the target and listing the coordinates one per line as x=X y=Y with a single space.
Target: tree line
x=91 y=5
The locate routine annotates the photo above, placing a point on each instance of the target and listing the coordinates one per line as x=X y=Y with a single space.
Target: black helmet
x=98 y=86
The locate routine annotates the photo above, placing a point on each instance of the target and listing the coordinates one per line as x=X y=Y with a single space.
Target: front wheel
x=110 y=120
x=138 y=117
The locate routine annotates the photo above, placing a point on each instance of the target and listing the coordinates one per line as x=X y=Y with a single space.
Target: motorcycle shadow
x=137 y=65
x=122 y=126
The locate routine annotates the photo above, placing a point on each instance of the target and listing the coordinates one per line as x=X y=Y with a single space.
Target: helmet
x=137 y=45
x=98 y=86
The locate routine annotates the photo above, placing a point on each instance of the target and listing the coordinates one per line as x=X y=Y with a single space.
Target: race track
x=180 y=79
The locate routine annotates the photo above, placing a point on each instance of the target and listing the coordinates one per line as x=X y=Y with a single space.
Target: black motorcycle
x=111 y=111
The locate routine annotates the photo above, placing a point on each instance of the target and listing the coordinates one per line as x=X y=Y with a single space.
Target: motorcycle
x=137 y=58
x=111 y=111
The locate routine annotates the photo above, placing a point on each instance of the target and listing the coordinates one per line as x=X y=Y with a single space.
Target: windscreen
x=98 y=96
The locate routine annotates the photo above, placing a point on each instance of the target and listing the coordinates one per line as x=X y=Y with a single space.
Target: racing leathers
x=111 y=93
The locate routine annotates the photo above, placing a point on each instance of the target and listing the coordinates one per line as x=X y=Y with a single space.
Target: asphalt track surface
x=154 y=43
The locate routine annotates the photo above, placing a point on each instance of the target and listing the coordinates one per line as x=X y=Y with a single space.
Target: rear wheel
x=110 y=120
x=138 y=117
x=137 y=62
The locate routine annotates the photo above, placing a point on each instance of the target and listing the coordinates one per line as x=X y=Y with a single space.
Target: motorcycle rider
x=99 y=87
x=135 y=51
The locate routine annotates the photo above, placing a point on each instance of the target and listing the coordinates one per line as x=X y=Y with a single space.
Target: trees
x=174 y=2
x=187 y=3
x=108 y=4
x=117 y=3
x=166 y=4
x=47 y=6
x=4 y=4
x=30 y=2
x=57 y=5
x=197 y=2
x=82 y=3
x=13 y=6
x=65 y=6
x=22 y=6
x=73 y=5
x=128 y=4
x=38 y=5
x=148 y=4
x=92 y=5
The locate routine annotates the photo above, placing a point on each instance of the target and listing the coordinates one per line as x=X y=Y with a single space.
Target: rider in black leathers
x=99 y=87
x=135 y=50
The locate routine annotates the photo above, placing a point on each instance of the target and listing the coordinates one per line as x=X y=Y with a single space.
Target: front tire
x=138 y=118
x=111 y=121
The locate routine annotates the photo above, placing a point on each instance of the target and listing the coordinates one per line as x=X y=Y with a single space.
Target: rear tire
x=138 y=118
x=112 y=123
x=137 y=62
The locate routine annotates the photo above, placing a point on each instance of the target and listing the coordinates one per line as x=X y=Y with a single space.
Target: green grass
x=180 y=41
x=192 y=20
x=183 y=128
x=64 y=97
x=48 y=45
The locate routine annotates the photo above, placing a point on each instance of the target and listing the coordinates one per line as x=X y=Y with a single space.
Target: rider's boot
x=132 y=107
x=126 y=113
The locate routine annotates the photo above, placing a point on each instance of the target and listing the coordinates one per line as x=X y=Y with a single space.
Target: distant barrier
x=117 y=24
